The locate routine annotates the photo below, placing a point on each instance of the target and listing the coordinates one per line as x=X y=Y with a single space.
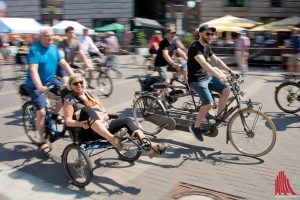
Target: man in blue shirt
x=43 y=60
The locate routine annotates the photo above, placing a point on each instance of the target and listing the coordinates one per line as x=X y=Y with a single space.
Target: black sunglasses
x=77 y=83
x=209 y=34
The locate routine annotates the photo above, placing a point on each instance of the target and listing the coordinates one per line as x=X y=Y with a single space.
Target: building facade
x=91 y=13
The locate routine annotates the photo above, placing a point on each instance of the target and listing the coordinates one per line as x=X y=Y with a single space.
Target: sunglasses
x=77 y=83
x=209 y=34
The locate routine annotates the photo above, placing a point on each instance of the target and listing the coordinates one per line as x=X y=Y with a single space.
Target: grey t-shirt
x=69 y=50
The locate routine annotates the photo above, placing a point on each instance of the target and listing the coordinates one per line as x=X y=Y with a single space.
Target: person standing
x=242 y=45
x=43 y=60
x=293 y=63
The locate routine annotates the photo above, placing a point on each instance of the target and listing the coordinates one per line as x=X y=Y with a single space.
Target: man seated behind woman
x=91 y=115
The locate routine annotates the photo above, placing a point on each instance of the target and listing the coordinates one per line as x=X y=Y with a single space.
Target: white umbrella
x=21 y=25
x=61 y=26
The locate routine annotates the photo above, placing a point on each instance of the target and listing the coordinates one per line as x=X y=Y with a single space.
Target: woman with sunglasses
x=204 y=78
x=90 y=115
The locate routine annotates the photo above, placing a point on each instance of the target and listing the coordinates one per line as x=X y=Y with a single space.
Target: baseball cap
x=241 y=32
x=205 y=27
x=170 y=30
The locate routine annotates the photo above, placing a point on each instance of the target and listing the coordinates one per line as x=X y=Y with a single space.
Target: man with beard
x=202 y=77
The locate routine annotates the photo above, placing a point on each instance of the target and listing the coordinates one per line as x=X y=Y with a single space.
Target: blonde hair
x=73 y=77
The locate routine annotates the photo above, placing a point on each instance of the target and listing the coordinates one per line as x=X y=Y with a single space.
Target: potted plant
x=142 y=43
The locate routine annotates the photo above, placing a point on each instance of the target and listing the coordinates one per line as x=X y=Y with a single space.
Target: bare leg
x=202 y=113
x=100 y=129
x=223 y=100
x=40 y=123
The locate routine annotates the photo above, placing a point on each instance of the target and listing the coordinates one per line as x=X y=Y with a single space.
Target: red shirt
x=154 y=40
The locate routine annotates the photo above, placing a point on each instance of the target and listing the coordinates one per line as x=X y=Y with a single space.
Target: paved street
x=189 y=167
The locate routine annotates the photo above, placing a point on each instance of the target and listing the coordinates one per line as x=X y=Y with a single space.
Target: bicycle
x=53 y=129
x=99 y=80
x=148 y=65
x=287 y=94
x=242 y=129
x=153 y=89
x=76 y=156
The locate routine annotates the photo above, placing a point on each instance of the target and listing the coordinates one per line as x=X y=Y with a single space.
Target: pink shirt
x=242 y=43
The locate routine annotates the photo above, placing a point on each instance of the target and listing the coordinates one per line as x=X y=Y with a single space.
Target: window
x=277 y=3
x=235 y=3
x=52 y=7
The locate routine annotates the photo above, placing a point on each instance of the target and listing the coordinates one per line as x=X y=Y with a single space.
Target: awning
x=20 y=25
x=111 y=27
x=143 y=22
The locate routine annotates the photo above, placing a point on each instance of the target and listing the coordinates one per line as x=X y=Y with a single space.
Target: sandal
x=121 y=133
x=157 y=149
x=58 y=118
x=45 y=148
x=116 y=142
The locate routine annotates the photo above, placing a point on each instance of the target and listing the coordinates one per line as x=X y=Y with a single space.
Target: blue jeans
x=203 y=88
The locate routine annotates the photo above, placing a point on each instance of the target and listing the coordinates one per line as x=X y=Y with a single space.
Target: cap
x=241 y=32
x=205 y=27
x=157 y=32
x=170 y=30
x=85 y=29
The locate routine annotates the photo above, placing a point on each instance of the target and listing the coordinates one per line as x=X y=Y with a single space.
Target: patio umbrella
x=271 y=28
x=111 y=27
x=230 y=20
x=61 y=26
x=284 y=25
x=291 y=21
x=229 y=28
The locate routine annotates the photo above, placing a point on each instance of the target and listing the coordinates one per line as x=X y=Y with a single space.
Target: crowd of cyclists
x=51 y=60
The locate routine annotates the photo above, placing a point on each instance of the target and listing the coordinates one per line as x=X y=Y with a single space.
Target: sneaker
x=197 y=132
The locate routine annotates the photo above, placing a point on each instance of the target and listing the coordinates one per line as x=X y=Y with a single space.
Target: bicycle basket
x=147 y=82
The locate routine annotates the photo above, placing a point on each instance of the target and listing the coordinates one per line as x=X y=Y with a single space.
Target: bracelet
x=229 y=71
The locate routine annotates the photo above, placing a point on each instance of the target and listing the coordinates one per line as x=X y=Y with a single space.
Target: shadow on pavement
x=16 y=117
x=283 y=121
x=186 y=152
x=27 y=158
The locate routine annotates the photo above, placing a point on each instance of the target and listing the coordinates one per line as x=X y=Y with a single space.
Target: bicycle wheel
x=287 y=97
x=105 y=84
x=131 y=151
x=77 y=165
x=144 y=108
x=251 y=132
x=29 y=119
x=148 y=66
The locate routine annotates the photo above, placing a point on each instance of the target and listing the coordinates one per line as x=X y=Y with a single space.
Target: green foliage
x=187 y=39
x=141 y=39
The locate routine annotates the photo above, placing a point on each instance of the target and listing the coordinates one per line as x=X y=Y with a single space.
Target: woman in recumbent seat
x=91 y=115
